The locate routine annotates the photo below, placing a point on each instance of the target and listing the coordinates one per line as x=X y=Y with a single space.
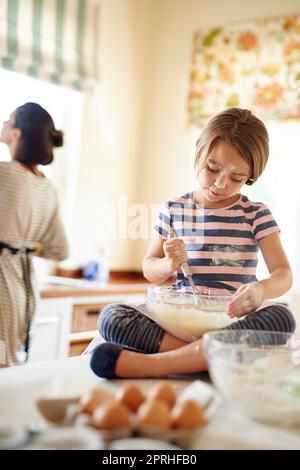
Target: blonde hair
x=244 y=131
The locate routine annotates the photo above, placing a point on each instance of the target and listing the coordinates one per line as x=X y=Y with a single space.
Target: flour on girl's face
x=219 y=182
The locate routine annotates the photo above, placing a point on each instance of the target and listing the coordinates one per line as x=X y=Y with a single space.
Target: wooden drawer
x=85 y=317
x=78 y=348
x=80 y=341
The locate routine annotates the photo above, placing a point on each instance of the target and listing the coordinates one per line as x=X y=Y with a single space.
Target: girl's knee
x=107 y=315
x=284 y=319
x=289 y=318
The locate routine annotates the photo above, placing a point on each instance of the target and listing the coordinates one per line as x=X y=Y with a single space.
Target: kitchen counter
x=54 y=290
x=68 y=311
x=20 y=386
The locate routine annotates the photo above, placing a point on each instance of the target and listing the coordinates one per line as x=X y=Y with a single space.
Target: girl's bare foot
x=111 y=360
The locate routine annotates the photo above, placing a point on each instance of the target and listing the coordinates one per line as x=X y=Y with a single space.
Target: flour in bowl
x=192 y=320
x=268 y=389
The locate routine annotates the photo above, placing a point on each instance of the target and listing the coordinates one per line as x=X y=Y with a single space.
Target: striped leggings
x=125 y=325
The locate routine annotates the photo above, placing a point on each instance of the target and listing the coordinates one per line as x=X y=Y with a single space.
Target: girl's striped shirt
x=222 y=244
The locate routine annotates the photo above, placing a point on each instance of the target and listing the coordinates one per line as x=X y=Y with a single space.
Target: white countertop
x=20 y=386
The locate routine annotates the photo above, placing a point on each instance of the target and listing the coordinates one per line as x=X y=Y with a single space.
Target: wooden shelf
x=80 y=341
x=83 y=336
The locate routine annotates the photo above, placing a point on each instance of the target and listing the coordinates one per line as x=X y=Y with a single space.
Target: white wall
x=145 y=49
x=111 y=130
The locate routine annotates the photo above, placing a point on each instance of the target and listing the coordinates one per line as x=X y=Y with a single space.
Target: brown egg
x=187 y=415
x=154 y=413
x=165 y=392
x=131 y=396
x=111 y=415
x=90 y=400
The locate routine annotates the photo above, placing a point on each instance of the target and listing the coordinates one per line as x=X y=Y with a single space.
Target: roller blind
x=54 y=40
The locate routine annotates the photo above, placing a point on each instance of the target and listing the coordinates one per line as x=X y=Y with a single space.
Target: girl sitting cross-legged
x=232 y=151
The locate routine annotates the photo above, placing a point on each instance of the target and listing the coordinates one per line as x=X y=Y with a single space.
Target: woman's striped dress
x=28 y=214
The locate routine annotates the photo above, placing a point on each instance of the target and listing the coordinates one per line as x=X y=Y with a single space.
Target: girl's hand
x=175 y=253
x=38 y=248
x=246 y=299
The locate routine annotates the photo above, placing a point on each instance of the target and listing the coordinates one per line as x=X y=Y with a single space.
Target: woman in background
x=29 y=223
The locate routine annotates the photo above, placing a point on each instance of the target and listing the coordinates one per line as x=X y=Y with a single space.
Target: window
x=279 y=188
x=66 y=107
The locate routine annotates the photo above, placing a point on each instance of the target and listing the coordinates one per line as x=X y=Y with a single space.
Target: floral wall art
x=254 y=65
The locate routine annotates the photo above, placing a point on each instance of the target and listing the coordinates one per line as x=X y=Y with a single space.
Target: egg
x=131 y=396
x=154 y=413
x=90 y=400
x=187 y=415
x=164 y=392
x=111 y=415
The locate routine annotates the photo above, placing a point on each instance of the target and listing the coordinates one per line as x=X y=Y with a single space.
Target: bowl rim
x=212 y=338
x=180 y=293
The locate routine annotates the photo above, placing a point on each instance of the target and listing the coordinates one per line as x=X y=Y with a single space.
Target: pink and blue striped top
x=222 y=244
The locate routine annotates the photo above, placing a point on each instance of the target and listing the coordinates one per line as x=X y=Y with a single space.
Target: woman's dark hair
x=38 y=135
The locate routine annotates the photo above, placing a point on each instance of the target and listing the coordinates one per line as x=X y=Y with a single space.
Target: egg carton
x=66 y=412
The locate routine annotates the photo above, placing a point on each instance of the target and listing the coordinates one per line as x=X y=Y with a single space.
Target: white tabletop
x=20 y=386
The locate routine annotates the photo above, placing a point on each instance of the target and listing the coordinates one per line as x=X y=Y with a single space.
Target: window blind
x=54 y=40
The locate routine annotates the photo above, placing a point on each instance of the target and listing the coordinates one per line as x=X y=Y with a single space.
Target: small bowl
x=258 y=372
x=12 y=435
x=67 y=438
x=139 y=443
x=178 y=310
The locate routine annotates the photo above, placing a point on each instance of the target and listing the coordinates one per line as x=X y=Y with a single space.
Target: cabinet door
x=85 y=316
x=46 y=338
x=86 y=310
x=51 y=328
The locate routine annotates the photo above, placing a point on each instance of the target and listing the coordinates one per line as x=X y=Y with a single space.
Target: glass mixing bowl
x=258 y=372
x=178 y=310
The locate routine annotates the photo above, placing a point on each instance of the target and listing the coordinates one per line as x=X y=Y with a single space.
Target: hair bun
x=57 y=138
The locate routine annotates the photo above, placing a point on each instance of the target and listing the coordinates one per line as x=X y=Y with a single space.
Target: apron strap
x=25 y=260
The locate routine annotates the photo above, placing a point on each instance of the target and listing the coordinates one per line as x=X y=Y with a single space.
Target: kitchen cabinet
x=51 y=330
x=85 y=314
x=66 y=320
